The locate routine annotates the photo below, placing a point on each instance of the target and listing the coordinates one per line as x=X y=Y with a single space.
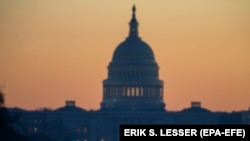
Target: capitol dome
x=132 y=50
x=133 y=82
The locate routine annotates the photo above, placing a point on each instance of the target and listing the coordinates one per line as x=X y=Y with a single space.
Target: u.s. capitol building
x=132 y=94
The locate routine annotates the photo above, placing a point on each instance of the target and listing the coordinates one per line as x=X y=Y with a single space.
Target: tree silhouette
x=1 y=99
x=7 y=133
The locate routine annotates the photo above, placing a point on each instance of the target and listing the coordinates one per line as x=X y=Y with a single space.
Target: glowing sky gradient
x=57 y=50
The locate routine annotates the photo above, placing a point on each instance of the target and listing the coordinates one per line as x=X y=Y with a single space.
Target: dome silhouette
x=133 y=82
x=133 y=50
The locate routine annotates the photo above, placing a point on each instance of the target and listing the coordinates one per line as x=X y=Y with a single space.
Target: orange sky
x=57 y=50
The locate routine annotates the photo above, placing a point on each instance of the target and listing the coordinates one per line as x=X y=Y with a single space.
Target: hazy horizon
x=53 y=51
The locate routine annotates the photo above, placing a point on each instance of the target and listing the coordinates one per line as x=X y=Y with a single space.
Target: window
x=141 y=91
x=78 y=129
x=35 y=129
x=137 y=91
x=85 y=130
x=123 y=91
x=128 y=91
x=132 y=91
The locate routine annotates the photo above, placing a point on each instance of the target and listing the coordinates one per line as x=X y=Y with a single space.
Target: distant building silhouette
x=132 y=94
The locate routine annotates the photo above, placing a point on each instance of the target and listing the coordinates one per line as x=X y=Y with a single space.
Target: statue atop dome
x=134 y=9
x=133 y=24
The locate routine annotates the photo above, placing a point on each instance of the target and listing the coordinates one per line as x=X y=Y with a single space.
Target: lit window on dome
x=137 y=91
x=128 y=91
x=141 y=91
x=132 y=91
